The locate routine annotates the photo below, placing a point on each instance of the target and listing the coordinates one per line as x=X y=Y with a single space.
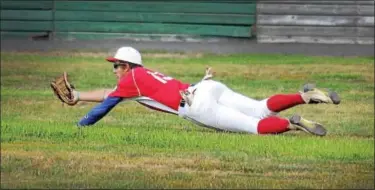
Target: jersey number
x=160 y=77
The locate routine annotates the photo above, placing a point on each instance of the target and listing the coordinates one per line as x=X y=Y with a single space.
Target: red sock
x=273 y=125
x=280 y=102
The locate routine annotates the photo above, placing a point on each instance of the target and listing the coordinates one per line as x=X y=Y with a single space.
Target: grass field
x=134 y=147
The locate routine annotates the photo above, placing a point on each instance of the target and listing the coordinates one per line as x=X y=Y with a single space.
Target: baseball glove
x=63 y=89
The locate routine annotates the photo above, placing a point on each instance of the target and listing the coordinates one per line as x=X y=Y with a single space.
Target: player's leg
x=274 y=125
x=228 y=119
x=278 y=102
x=309 y=95
x=244 y=104
x=214 y=115
x=208 y=111
x=224 y=118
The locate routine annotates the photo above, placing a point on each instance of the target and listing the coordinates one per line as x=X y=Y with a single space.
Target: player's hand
x=64 y=90
x=209 y=74
x=187 y=96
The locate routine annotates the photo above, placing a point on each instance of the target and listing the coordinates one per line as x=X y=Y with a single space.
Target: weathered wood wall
x=305 y=21
x=94 y=19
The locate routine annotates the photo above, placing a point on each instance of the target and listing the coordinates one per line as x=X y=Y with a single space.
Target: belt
x=182 y=103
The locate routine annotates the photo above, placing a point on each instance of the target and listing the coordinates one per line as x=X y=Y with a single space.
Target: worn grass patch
x=95 y=170
x=134 y=147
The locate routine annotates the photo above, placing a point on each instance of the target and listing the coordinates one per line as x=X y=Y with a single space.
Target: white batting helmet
x=127 y=54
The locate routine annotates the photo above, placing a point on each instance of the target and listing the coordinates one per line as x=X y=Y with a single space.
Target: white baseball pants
x=216 y=106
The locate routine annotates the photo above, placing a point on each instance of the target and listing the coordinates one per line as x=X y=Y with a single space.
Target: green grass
x=134 y=147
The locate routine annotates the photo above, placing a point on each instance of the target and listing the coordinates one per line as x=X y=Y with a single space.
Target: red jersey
x=144 y=82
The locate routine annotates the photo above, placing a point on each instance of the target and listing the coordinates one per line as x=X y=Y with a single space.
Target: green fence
x=115 y=19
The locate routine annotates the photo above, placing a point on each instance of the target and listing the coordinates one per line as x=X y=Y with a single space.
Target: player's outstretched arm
x=92 y=96
x=66 y=92
x=99 y=111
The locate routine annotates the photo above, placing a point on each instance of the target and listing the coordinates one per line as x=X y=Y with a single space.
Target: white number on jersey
x=160 y=77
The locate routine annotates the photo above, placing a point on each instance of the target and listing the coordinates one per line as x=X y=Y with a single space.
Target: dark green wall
x=110 y=19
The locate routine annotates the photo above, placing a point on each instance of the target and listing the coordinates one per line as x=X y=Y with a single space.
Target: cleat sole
x=317 y=129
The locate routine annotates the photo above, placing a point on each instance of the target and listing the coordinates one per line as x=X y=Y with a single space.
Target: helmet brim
x=112 y=59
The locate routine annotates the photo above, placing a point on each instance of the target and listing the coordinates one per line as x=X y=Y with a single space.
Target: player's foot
x=308 y=126
x=313 y=95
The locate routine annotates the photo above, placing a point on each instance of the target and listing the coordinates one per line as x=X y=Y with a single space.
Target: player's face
x=120 y=70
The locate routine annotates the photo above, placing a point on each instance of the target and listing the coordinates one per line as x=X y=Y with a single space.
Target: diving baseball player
x=207 y=103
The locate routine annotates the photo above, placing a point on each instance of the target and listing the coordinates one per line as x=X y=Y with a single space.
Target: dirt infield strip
x=219 y=47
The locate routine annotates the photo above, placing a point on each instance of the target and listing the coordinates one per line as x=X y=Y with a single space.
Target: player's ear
x=127 y=67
